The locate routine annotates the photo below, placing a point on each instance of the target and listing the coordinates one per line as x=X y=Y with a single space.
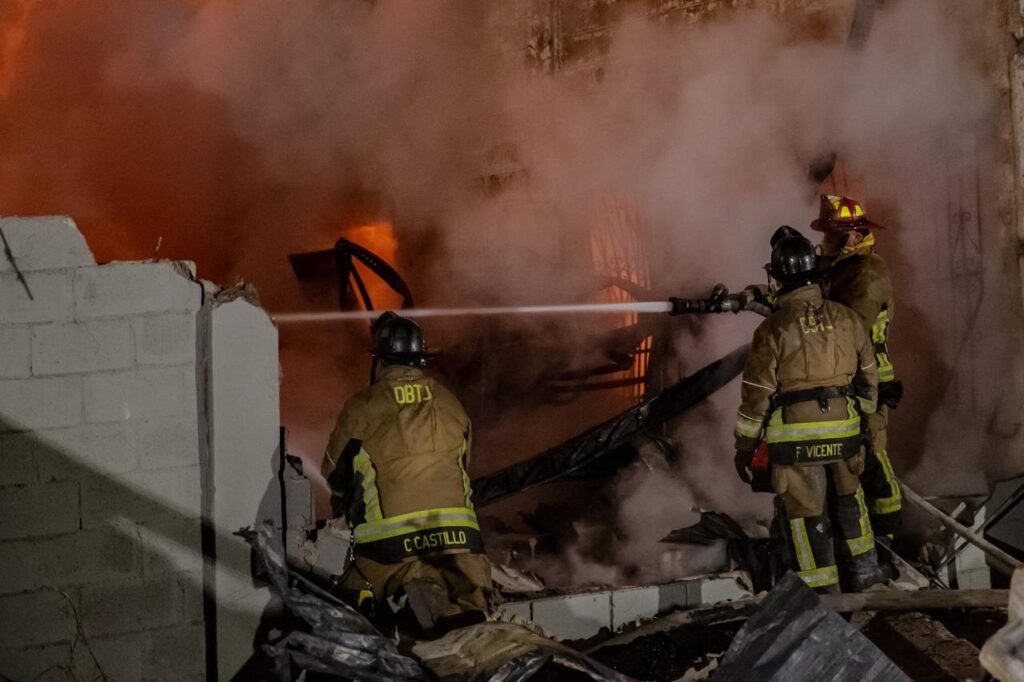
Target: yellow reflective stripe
x=748 y=427
x=361 y=464
x=893 y=503
x=412 y=522
x=779 y=432
x=767 y=388
x=802 y=545
x=467 y=486
x=879 y=328
x=820 y=577
x=866 y=541
x=886 y=372
x=788 y=433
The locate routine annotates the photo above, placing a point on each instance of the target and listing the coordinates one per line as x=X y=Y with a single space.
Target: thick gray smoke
x=271 y=112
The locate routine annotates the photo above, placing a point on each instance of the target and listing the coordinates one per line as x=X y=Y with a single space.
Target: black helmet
x=794 y=261
x=782 y=233
x=397 y=340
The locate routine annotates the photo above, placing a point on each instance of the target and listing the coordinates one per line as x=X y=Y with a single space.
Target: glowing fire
x=378 y=237
x=13 y=30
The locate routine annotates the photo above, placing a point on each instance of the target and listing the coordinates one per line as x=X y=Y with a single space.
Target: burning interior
x=349 y=157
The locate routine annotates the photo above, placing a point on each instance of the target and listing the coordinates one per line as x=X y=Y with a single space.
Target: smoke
x=234 y=133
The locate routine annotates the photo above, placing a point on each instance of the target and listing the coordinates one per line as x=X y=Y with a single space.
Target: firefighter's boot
x=861 y=572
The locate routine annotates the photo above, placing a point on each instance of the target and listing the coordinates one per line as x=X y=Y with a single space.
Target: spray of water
x=574 y=309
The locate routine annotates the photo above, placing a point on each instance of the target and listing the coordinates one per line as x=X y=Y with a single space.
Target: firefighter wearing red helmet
x=859 y=279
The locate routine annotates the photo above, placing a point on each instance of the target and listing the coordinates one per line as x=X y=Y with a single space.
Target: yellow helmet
x=841 y=214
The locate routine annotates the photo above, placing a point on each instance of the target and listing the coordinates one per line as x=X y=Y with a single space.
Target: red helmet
x=841 y=214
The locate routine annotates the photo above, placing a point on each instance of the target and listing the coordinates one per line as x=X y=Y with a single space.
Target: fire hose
x=752 y=298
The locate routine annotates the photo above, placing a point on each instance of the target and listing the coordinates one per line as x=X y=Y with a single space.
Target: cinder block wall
x=100 y=477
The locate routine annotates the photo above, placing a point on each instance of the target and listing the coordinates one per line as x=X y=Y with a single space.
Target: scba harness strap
x=817 y=442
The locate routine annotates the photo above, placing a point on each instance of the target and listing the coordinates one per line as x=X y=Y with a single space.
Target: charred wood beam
x=611 y=439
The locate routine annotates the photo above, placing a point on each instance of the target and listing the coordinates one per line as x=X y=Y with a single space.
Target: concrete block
x=628 y=604
x=245 y=436
x=87 y=557
x=515 y=609
x=169 y=442
x=298 y=497
x=44 y=243
x=81 y=451
x=18 y=459
x=36 y=618
x=176 y=655
x=122 y=657
x=38 y=510
x=130 y=606
x=52 y=299
x=40 y=403
x=165 y=339
x=15 y=351
x=171 y=547
x=717 y=590
x=574 y=616
x=67 y=348
x=141 y=496
x=137 y=394
x=17 y=568
x=123 y=289
x=191 y=585
x=47 y=663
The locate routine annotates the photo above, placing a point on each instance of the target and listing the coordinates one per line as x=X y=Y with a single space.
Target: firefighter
x=859 y=279
x=810 y=374
x=396 y=464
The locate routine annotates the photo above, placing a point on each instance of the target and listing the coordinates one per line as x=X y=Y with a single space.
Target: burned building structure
x=147 y=414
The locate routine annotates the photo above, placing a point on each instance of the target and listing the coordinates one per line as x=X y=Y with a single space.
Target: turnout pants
x=881 y=491
x=825 y=514
x=458 y=583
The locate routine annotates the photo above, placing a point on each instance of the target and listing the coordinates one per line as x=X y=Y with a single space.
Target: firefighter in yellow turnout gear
x=810 y=375
x=396 y=464
x=859 y=279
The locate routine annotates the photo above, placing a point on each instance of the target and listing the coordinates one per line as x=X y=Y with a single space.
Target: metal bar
x=1003 y=560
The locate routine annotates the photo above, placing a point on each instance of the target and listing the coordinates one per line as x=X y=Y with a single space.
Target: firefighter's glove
x=744 y=465
x=890 y=393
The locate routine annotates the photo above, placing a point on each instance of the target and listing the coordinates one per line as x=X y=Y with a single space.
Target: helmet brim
x=821 y=267
x=425 y=355
x=829 y=225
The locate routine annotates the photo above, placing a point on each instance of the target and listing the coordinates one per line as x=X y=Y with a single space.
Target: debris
x=504 y=652
x=671 y=655
x=917 y=642
x=338 y=640
x=1003 y=654
x=583 y=615
x=513 y=581
x=752 y=555
x=922 y=600
x=1005 y=524
x=609 y=442
x=999 y=558
x=330 y=637
x=793 y=637
x=734 y=611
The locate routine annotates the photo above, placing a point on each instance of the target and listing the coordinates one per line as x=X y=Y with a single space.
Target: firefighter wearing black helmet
x=396 y=464
x=810 y=375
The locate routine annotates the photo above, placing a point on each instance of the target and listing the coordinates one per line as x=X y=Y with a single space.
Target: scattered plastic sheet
x=331 y=638
x=336 y=639
x=793 y=638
